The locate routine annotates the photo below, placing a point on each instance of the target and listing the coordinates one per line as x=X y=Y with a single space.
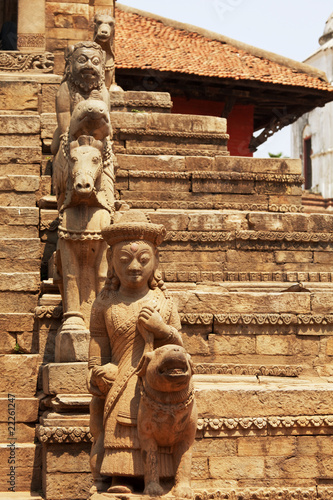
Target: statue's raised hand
x=150 y=319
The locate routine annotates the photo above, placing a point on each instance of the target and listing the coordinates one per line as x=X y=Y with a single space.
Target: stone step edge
x=76 y=434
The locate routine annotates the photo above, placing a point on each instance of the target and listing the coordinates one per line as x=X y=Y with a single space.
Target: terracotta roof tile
x=143 y=43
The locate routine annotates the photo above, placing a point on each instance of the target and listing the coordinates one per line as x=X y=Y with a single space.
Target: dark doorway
x=307 y=148
x=8 y=23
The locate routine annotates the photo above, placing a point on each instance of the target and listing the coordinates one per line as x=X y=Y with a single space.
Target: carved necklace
x=168 y=408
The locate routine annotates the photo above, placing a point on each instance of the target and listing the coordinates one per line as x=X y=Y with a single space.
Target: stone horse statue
x=83 y=178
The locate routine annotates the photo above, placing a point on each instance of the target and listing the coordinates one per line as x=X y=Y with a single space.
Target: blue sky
x=287 y=27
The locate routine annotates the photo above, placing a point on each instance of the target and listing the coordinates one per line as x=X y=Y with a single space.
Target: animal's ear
x=143 y=363
x=98 y=145
x=73 y=145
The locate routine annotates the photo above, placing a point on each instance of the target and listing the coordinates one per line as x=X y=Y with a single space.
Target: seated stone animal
x=167 y=416
x=104 y=25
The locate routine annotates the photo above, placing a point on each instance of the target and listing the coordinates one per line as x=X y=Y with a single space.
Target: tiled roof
x=146 y=43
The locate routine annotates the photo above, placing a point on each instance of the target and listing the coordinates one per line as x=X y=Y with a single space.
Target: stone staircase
x=21 y=185
x=252 y=277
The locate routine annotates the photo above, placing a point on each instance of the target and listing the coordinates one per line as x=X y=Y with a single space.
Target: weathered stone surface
x=259 y=165
x=59 y=486
x=28 y=342
x=45 y=186
x=21 y=495
x=67 y=15
x=285 y=202
x=246 y=399
x=190 y=260
x=49 y=93
x=26 y=455
x=292 y=467
x=152 y=163
x=200 y=185
x=183 y=123
x=172 y=220
x=236 y=467
x=195 y=345
x=17 y=199
x=314 y=445
x=47 y=331
x=68 y=34
x=20 y=249
x=208 y=221
x=19 y=95
x=287 y=345
x=216 y=447
x=26 y=479
x=322 y=303
x=151 y=184
x=329 y=346
x=266 y=446
x=7 y=342
x=19 y=124
x=199 y=468
x=24 y=433
x=19 y=183
x=20 y=282
x=16 y=216
x=293 y=257
x=72 y=346
x=231 y=345
x=132 y=100
x=14 y=365
x=48 y=125
x=199 y=163
x=65 y=378
x=238 y=259
x=208 y=301
x=26 y=409
x=17 y=302
x=72 y=457
x=279 y=222
x=20 y=169
x=325 y=258
x=157 y=122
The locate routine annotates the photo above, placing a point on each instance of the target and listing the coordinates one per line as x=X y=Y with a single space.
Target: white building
x=312 y=134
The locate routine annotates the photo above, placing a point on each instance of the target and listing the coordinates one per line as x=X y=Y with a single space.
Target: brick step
x=218 y=246
x=159 y=133
x=20 y=495
x=218 y=397
x=20 y=281
x=255 y=328
x=256 y=438
x=134 y=101
x=27 y=472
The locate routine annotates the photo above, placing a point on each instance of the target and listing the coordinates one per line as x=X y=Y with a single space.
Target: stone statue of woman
x=132 y=314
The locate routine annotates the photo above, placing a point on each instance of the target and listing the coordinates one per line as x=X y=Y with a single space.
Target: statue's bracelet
x=171 y=333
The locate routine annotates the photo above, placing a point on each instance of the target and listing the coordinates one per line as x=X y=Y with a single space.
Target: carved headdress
x=131 y=226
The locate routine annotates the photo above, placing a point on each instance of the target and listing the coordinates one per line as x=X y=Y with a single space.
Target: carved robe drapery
x=114 y=324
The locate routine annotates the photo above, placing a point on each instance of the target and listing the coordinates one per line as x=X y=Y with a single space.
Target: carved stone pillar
x=31 y=25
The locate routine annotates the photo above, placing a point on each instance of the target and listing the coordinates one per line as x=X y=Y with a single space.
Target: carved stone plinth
x=71 y=346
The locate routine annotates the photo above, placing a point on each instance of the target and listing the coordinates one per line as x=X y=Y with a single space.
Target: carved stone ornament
x=83 y=179
x=23 y=62
x=31 y=40
x=82 y=434
x=143 y=413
